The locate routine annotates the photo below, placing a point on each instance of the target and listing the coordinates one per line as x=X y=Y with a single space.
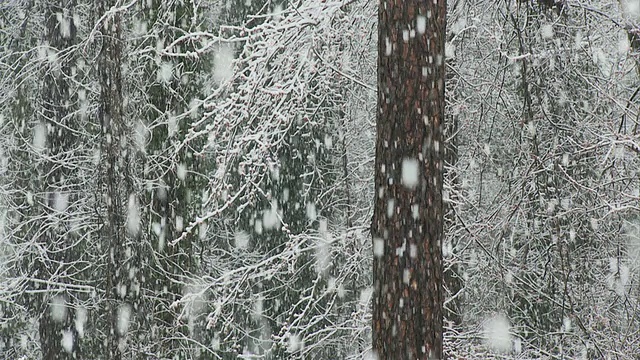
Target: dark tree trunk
x=407 y=225
x=56 y=119
x=453 y=279
x=175 y=195
x=114 y=176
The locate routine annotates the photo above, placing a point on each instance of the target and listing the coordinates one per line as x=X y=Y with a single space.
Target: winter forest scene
x=319 y=179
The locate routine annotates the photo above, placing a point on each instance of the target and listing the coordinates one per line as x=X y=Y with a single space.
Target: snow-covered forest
x=194 y=179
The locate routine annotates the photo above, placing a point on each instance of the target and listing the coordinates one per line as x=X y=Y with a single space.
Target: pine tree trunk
x=407 y=225
x=58 y=338
x=114 y=170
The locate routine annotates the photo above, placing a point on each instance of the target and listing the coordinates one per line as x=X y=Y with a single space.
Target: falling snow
x=631 y=7
x=241 y=239
x=80 y=321
x=378 y=247
x=449 y=50
x=258 y=226
x=618 y=276
x=365 y=296
x=40 y=137
x=223 y=64
x=141 y=136
x=421 y=24
x=123 y=319
x=133 y=216
x=60 y=201
x=58 y=309
x=497 y=333
x=165 y=73
x=410 y=173
x=322 y=254
x=328 y=142
x=270 y=217
x=67 y=340
x=181 y=171
x=311 y=211
x=64 y=25
x=391 y=207
x=546 y=31
x=295 y=343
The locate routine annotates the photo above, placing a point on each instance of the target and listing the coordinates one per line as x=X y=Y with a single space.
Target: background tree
x=453 y=267
x=534 y=207
x=55 y=136
x=118 y=232
x=274 y=183
x=45 y=170
x=239 y=214
x=164 y=52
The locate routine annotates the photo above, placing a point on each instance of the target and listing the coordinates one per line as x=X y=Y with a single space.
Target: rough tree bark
x=114 y=176
x=56 y=118
x=453 y=279
x=407 y=225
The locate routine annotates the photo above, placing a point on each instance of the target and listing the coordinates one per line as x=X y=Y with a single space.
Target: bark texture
x=114 y=177
x=407 y=225
x=55 y=121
